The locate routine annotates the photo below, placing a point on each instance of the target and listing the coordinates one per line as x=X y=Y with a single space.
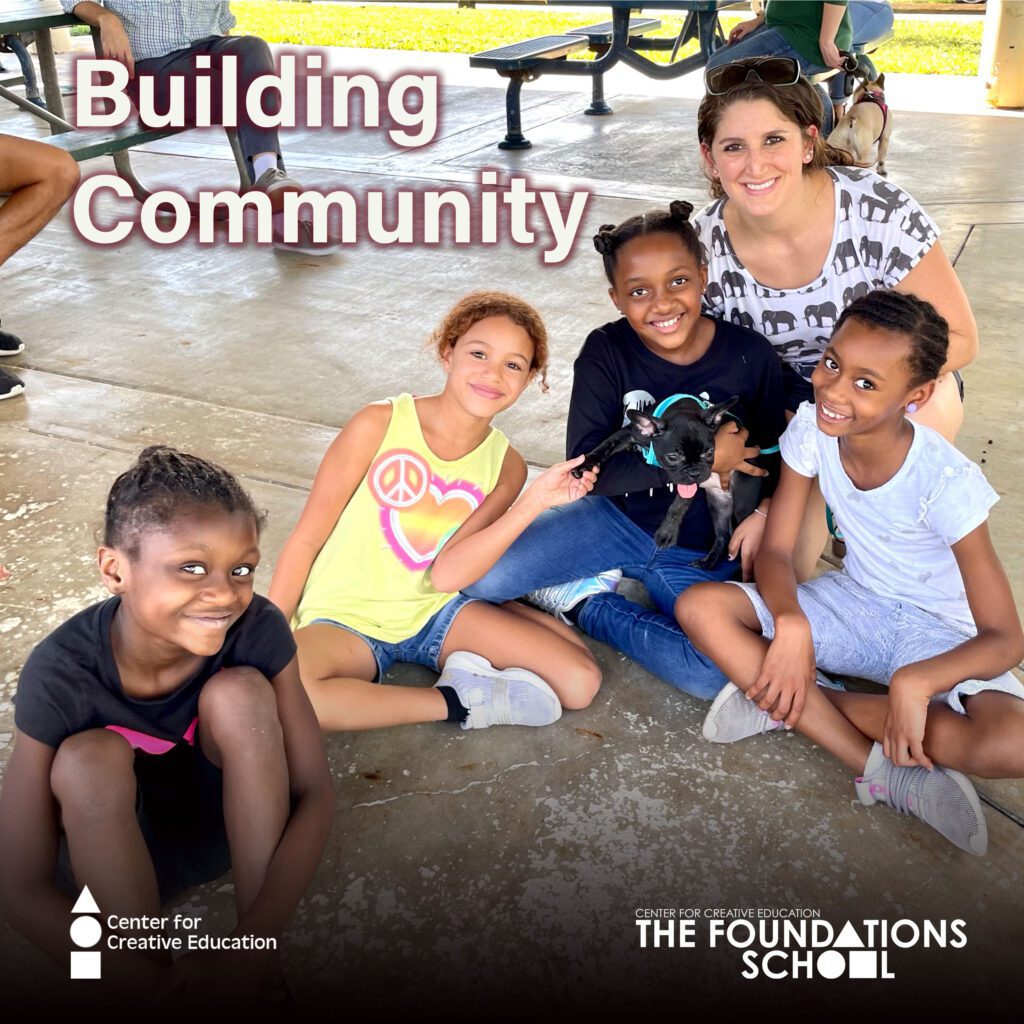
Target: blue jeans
x=871 y=21
x=770 y=42
x=590 y=536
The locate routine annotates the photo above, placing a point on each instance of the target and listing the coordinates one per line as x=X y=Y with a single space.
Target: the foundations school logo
x=781 y=943
x=86 y=932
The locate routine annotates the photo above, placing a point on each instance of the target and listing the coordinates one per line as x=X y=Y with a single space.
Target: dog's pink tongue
x=686 y=490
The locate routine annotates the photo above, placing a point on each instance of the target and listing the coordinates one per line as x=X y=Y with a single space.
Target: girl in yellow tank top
x=415 y=500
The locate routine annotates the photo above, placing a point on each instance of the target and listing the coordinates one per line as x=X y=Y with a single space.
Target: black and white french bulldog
x=683 y=441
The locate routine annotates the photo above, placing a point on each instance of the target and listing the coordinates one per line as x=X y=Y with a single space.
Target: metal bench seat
x=85 y=144
x=601 y=34
x=529 y=53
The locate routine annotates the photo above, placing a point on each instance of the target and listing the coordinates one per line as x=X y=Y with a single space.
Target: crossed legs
x=337 y=666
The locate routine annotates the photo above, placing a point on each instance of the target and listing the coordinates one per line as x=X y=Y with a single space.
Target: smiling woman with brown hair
x=793 y=237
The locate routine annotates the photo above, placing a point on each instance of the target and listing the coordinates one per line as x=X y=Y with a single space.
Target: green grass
x=951 y=46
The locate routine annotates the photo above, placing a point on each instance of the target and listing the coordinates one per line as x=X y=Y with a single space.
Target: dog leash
x=648 y=450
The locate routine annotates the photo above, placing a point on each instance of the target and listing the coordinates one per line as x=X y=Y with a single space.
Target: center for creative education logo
x=783 y=943
x=86 y=932
x=171 y=933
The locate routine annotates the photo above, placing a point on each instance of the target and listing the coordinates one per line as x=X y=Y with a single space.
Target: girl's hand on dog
x=746 y=542
x=732 y=452
x=557 y=486
x=786 y=674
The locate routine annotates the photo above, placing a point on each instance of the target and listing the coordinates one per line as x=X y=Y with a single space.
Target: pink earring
x=912 y=408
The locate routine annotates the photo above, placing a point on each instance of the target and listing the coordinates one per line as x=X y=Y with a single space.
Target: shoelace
x=899 y=785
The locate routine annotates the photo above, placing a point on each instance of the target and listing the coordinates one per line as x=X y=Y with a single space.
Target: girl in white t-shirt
x=923 y=604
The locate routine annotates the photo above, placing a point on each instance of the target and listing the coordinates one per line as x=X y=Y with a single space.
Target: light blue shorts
x=422 y=649
x=857 y=633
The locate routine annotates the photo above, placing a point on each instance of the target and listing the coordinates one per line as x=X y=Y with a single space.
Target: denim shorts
x=858 y=633
x=422 y=649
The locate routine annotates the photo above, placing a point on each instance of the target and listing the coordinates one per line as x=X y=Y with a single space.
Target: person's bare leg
x=40 y=179
x=240 y=733
x=513 y=636
x=93 y=779
x=988 y=741
x=337 y=667
x=720 y=621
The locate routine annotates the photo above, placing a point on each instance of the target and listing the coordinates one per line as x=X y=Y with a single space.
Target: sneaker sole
x=478 y=665
x=979 y=842
x=710 y=728
x=6 y=353
x=16 y=390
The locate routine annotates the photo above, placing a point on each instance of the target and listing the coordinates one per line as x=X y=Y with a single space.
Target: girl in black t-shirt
x=164 y=736
x=569 y=561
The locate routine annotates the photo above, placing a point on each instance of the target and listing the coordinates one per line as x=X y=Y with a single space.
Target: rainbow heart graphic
x=418 y=510
x=418 y=533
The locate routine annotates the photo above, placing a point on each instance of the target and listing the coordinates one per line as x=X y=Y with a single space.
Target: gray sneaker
x=733 y=717
x=559 y=599
x=510 y=696
x=943 y=798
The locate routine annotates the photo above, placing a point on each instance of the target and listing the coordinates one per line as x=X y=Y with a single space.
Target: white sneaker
x=511 y=696
x=564 y=597
x=943 y=798
x=733 y=717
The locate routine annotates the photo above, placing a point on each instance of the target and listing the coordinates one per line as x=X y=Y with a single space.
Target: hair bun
x=603 y=241
x=680 y=209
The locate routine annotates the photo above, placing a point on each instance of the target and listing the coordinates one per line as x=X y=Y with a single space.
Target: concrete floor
x=500 y=869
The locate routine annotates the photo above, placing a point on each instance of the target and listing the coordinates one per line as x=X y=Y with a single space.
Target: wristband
x=760 y=513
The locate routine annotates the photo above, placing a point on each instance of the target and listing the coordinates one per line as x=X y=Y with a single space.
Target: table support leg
x=598 y=107
x=48 y=73
x=514 y=138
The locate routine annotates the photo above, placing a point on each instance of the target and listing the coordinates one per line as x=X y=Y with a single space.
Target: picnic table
x=621 y=39
x=40 y=16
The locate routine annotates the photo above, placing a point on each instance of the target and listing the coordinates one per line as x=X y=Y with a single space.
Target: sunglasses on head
x=770 y=70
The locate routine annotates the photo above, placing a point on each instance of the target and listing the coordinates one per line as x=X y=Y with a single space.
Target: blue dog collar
x=659 y=410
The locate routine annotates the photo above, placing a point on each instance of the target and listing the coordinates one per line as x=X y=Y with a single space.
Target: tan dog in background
x=867 y=121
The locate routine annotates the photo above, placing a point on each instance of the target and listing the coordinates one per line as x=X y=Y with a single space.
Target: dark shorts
x=181 y=814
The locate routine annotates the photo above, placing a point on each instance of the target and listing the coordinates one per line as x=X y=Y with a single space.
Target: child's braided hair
x=610 y=238
x=919 y=321
x=162 y=485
